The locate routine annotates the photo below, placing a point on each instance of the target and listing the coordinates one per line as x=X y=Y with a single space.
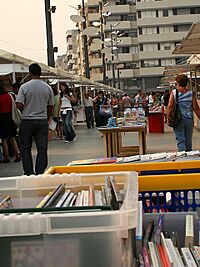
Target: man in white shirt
x=35 y=100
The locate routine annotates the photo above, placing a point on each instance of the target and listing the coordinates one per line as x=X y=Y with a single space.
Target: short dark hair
x=182 y=80
x=16 y=85
x=35 y=69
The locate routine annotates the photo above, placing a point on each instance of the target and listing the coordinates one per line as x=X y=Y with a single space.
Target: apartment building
x=120 y=39
x=69 y=61
x=139 y=37
x=161 y=25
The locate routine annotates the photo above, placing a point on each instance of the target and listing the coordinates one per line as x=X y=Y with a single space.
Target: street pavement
x=89 y=144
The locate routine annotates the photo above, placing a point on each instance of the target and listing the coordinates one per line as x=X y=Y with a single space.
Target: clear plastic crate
x=62 y=239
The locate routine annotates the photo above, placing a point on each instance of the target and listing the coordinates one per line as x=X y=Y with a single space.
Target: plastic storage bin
x=62 y=239
x=146 y=168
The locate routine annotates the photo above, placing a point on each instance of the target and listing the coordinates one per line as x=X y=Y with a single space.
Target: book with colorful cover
x=93 y=161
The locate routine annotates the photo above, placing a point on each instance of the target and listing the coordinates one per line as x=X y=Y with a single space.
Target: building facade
x=137 y=37
x=69 y=61
x=161 y=25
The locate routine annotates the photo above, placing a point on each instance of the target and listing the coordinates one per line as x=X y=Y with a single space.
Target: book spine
x=189 y=230
x=145 y=255
x=195 y=252
x=91 y=195
x=189 y=261
x=173 y=253
x=166 y=250
x=153 y=255
x=148 y=232
x=44 y=200
x=139 y=229
x=63 y=198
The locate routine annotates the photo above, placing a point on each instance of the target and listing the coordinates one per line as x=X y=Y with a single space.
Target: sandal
x=4 y=161
x=17 y=159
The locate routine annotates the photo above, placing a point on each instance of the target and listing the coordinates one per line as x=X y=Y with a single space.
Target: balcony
x=123 y=25
x=156 y=54
x=128 y=57
x=157 y=38
x=166 y=4
x=154 y=71
x=93 y=16
x=171 y=20
x=95 y=62
x=119 y=9
x=91 y=3
x=98 y=77
x=124 y=73
x=95 y=47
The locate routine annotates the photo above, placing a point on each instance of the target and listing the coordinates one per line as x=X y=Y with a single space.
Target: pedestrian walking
x=35 y=99
x=88 y=104
x=67 y=99
x=187 y=104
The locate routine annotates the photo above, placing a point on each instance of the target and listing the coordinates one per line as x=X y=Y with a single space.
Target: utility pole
x=102 y=40
x=112 y=51
x=87 y=67
x=50 y=52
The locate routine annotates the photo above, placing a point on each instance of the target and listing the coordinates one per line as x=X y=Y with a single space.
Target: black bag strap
x=177 y=96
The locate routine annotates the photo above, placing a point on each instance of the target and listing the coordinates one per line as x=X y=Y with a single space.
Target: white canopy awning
x=9 y=58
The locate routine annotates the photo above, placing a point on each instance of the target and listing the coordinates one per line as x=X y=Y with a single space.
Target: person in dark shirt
x=8 y=129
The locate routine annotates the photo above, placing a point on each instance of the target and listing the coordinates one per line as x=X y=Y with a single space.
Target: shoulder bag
x=16 y=113
x=175 y=115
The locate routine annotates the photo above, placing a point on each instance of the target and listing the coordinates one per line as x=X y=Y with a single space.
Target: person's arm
x=49 y=111
x=170 y=105
x=20 y=106
x=195 y=106
x=71 y=98
x=20 y=99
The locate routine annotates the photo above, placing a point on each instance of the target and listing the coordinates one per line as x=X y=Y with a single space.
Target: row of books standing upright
x=156 y=246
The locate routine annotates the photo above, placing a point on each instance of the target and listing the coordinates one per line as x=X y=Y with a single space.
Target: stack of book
x=163 y=157
x=158 y=248
x=90 y=196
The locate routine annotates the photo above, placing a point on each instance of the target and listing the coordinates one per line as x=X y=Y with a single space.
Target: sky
x=23 y=27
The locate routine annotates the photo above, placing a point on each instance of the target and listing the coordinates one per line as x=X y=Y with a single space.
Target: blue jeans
x=183 y=133
x=39 y=130
x=68 y=129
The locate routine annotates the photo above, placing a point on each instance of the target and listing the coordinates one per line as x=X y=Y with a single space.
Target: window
x=158 y=46
x=174 y=11
x=125 y=50
x=165 y=13
x=157 y=14
x=151 y=63
x=150 y=47
x=175 y=28
x=139 y=15
x=195 y=10
x=140 y=30
x=149 y=30
x=141 y=47
x=158 y=30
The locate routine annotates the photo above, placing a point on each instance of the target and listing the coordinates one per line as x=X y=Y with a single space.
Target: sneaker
x=66 y=141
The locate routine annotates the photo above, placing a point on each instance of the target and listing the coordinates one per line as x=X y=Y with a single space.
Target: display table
x=112 y=138
x=156 y=122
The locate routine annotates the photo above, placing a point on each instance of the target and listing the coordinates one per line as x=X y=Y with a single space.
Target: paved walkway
x=89 y=144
